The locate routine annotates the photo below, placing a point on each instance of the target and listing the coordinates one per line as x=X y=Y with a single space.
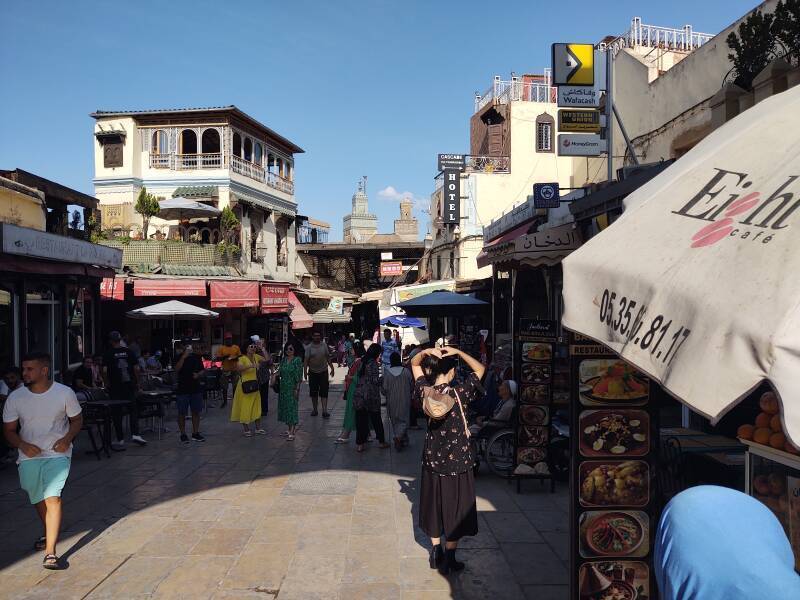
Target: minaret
x=407 y=226
x=359 y=225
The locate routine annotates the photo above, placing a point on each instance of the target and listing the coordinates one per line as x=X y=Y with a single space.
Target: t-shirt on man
x=43 y=418
x=187 y=384
x=317 y=357
x=120 y=363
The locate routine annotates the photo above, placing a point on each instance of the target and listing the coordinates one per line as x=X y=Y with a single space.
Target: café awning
x=543 y=248
x=696 y=283
x=112 y=288
x=169 y=287
x=299 y=315
x=234 y=294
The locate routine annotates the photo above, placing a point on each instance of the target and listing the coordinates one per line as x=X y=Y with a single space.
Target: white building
x=219 y=156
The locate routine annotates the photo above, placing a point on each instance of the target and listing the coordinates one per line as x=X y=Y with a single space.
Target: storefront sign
x=538 y=327
x=546 y=247
x=274 y=298
x=451 y=161
x=573 y=64
x=387 y=256
x=415 y=291
x=451 y=206
x=581 y=144
x=391 y=269
x=336 y=305
x=572 y=96
x=23 y=241
x=546 y=195
x=112 y=288
x=578 y=121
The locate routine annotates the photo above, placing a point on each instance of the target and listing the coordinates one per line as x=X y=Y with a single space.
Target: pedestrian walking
x=48 y=417
x=398 y=386
x=349 y=354
x=189 y=394
x=388 y=346
x=246 y=407
x=350 y=382
x=367 y=399
x=340 y=350
x=229 y=354
x=447 y=489
x=317 y=363
x=289 y=375
x=263 y=373
x=121 y=373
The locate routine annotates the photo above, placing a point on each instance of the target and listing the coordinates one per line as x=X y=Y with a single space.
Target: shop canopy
x=169 y=287
x=112 y=288
x=234 y=294
x=442 y=303
x=184 y=208
x=299 y=315
x=274 y=297
x=544 y=248
x=403 y=321
x=697 y=282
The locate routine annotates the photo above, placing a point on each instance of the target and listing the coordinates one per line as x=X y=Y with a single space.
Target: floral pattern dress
x=290 y=372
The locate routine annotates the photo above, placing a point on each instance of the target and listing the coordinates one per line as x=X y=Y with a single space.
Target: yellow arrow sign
x=573 y=64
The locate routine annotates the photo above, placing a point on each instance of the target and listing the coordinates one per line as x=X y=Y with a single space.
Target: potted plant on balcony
x=227 y=248
x=146 y=205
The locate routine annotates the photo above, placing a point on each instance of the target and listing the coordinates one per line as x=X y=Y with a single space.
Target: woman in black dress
x=447 y=493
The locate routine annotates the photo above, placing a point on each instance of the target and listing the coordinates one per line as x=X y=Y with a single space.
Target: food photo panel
x=531 y=456
x=614 y=483
x=536 y=372
x=611 y=381
x=614 y=432
x=614 y=580
x=532 y=436
x=533 y=415
x=614 y=534
x=537 y=352
x=535 y=394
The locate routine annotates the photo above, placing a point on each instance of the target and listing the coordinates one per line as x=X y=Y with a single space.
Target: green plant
x=228 y=224
x=146 y=205
x=93 y=227
x=752 y=48
x=786 y=27
x=228 y=248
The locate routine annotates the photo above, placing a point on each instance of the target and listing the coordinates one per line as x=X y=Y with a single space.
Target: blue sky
x=373 y=88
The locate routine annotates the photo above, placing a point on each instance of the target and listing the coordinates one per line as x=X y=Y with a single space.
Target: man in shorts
x=189 y=393
x=317 y=361
x=49 y=417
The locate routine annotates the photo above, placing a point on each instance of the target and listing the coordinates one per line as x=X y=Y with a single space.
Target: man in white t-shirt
x=49 y=417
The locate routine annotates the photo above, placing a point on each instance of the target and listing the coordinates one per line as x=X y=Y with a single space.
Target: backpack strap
x=463 y=416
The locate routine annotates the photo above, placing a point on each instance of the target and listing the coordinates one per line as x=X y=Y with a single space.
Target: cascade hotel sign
x=451 y=166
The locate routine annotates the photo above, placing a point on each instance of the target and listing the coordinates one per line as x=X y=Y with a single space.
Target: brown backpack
x=436 y=404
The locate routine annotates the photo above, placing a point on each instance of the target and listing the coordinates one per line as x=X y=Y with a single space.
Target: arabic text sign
x=391 y=269
x=546 y=195
x=450 y=161
x=581 y=144
x=573 y=64
x=23 y=241
x=579 y=121
x=574 y=96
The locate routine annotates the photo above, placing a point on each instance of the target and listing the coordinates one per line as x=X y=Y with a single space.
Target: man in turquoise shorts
x=48 y=417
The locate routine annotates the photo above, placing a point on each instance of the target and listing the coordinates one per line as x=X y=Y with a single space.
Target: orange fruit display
x=789 y=447
x=763 y=419
x=775 y=423
x=762 y=435
x=745 y=431
x=769 y=403
x=777 y=440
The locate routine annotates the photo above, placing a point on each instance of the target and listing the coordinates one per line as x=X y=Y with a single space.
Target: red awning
x=274 y=298
x=169 y=287
x=112 y=288
x=234 y=294
x=299 y=315
x=483 y=255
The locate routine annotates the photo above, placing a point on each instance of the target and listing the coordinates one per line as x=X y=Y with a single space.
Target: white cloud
x=392 y=194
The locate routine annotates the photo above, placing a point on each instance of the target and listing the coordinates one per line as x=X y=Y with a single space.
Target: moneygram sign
x=581 y=145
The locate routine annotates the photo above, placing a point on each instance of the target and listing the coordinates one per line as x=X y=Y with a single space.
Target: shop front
x=49 y=296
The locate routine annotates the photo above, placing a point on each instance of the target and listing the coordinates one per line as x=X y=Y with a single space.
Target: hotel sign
x=33 y=243
x=451 y=161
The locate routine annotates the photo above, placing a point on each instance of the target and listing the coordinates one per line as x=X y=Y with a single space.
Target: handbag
x=437 y=404
x=248 y=387
x=276 y=383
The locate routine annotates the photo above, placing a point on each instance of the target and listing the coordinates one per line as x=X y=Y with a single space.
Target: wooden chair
x=672 y=477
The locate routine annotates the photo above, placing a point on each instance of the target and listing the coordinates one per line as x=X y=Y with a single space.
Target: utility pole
x=610 y=110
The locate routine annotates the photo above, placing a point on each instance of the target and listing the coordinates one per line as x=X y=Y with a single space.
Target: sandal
x=53 y=563
x=340 y=440
x=248 y=433
x=40 y=544
x=290 y=437
x=360 y=448
x=261 y=432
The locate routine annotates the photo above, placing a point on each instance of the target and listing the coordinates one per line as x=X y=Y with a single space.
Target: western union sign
x=573 y=64
x=578 y=121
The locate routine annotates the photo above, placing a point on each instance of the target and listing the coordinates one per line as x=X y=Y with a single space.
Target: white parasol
x=698 y=283
x=170 y=310
x=183 y=208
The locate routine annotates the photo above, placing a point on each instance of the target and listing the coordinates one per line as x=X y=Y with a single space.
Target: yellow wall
x=21 y=209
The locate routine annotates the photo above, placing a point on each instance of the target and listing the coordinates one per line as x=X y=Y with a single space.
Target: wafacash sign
x=734 y=210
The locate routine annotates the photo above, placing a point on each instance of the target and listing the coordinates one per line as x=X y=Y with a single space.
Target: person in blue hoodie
x=715 y=543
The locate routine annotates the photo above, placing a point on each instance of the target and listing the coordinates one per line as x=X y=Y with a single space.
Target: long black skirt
x=447 y=505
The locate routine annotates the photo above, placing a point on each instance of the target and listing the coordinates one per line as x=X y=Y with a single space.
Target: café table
x=698 y=442
x=107 y=407
x=160 y=397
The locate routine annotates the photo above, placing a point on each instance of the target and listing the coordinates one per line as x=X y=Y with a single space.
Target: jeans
x=363 y=419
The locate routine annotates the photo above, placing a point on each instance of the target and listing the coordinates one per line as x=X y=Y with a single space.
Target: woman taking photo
x=246 y=407
x=367 y=399
x=290 y=373
x=447 y=492
x=350 y=382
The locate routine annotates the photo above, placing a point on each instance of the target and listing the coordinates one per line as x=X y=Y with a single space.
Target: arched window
x=248 y=149
x=544 y=132
x=271 y=164
x=237 y=145
x=210 y=141
x=188 y=142
x=259 y=154
x=160 y=143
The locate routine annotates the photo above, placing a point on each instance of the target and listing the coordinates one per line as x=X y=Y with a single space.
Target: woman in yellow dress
x=246 y=407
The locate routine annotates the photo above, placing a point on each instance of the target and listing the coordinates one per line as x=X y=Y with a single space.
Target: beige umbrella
x=698 y=283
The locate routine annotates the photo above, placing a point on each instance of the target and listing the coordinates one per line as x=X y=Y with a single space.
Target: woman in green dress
x=350 y=383
x=290 y=372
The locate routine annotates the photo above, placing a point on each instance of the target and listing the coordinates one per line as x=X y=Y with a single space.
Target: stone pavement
x=266 y=518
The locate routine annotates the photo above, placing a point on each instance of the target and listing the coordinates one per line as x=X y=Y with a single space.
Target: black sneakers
x=184 y=438
x=198 y=437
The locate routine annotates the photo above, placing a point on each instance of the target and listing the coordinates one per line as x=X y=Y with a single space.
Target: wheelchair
x=494 y=445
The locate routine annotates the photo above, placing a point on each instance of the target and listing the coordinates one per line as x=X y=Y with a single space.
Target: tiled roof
x=196 y=191
x=104 y=113
x=198 y=271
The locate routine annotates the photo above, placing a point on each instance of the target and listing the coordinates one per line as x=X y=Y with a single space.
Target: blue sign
x=545 y=195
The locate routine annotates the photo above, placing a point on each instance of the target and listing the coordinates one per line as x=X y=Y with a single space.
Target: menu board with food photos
x=614 y=446
x=535 y=355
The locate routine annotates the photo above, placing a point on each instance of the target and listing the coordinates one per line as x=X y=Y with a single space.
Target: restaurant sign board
x=391 y=269
x=24 y=241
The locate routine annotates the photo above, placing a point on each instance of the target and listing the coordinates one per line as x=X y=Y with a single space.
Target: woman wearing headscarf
x=350 y=382
x=367 y=399
x=398 y=386
x=447 y=490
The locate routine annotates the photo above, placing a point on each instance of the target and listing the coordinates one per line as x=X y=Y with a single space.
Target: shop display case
x=773 y=478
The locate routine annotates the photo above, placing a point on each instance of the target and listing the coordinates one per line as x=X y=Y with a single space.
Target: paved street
x=267 y=518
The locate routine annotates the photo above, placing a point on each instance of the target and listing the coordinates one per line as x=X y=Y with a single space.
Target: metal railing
x=653 y=36
x=306 y=234
x=487 y=164
x=515 y=90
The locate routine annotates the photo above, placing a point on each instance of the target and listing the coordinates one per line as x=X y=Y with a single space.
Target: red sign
x=274 y=298
x=391 y=269
x=169 y=287
x=234 y=294
x=112 y=288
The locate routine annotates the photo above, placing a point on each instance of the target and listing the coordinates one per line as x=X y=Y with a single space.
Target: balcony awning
x=196 y=191
x=543 y=248
x=112 y=288
x=483 y=256
x=169 y=287
x=299 y=315
x=234 y=294
x=274 y=297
